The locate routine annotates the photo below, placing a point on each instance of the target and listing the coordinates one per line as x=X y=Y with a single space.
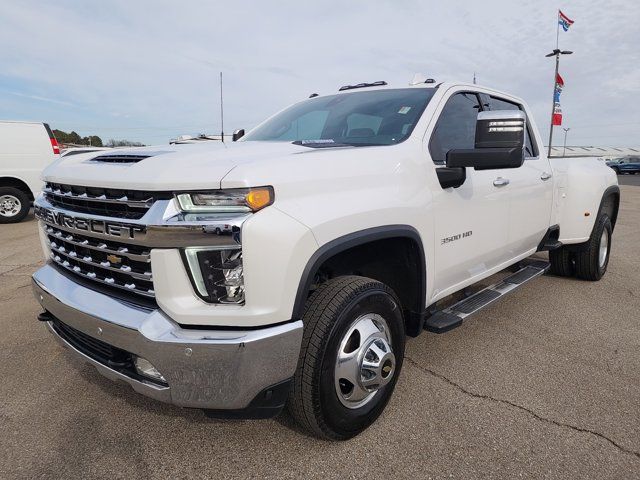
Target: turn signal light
x=258 y=198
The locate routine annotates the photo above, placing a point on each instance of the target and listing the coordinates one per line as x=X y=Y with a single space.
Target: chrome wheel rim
x=604 y=248
x=9 y=206
x=365 y=362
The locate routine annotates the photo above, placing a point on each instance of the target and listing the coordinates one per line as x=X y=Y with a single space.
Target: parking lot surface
x=545 y=383
x=629 y=180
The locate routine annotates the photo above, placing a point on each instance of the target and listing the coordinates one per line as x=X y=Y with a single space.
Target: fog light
x=145 y=368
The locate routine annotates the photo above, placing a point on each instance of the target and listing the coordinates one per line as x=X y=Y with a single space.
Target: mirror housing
x=237 y=134
x=499 y=142
x=486 y=158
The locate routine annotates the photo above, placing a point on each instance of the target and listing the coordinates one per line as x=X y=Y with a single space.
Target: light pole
x=564 y=147
x=556 y=53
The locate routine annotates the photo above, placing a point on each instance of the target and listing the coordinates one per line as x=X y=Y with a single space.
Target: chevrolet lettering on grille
x=114 y=229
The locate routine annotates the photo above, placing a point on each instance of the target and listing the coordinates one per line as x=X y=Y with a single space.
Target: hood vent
x=119 y=158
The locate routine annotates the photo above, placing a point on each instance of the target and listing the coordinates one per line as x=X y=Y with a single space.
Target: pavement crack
x=17 y=267
x=520 y=407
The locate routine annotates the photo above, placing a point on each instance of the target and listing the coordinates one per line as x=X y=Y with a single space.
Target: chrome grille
x=119 y=265
x=109 y=202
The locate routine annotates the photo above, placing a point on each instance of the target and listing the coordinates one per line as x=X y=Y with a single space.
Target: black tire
x=588 y=261
x=330 y=313
x=24 y=204
x=562 y=262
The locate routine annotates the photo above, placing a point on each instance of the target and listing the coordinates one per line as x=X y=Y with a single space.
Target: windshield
x=374 y=117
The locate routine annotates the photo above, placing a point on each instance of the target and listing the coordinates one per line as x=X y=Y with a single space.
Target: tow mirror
x=499 y=142
x=237 y=134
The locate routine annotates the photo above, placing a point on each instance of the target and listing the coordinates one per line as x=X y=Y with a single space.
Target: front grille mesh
x=122 y=266
x=109 y=202
x=96 y=349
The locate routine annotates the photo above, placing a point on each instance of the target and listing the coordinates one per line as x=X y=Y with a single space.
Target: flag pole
x=555 y=79
x=556 y=53
x=553 y=99
x=558 y=31
x=221 y=112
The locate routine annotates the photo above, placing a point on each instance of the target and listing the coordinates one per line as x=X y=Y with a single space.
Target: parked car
x=25 y=149
x=623 y=165
x=290 y=266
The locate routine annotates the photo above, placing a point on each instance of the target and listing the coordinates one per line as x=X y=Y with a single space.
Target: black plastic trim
x=267 y=404
x=550 y=239
x=355 y=239
x=451 y=177
x=612 y=189
x=104 y=353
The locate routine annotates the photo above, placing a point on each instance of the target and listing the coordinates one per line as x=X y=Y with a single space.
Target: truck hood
x=166 y=167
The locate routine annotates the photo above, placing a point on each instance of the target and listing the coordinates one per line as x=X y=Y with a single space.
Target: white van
x=25 y=149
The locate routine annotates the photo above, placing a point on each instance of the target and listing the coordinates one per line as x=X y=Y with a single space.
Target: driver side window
x=456 y=127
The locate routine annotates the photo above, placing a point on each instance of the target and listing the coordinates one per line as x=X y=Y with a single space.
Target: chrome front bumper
x=211 y=369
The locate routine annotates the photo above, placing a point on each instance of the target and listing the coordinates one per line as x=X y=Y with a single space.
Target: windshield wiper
x=320 y=143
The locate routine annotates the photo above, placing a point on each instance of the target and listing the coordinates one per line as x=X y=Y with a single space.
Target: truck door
x=530 y=190
x=471 y=222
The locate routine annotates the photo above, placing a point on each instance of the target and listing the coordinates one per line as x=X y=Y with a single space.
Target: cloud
x=38 y=98
x=156 y=63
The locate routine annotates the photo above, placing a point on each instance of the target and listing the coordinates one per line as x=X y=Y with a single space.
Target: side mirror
x=237 y=134
x=499 y=142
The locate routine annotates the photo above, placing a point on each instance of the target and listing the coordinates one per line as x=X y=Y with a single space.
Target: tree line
x=92 y=140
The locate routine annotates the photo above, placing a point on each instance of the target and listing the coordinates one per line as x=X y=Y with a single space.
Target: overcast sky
x=148 y=70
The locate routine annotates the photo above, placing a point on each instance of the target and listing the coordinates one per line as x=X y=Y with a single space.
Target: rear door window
x=530 y=147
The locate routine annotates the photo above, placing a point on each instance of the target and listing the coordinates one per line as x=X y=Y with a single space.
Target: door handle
x=545 y=176
x=501 y=182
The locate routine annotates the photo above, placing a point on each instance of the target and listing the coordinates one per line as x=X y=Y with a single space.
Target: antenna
x=221 y=112
x=474 y=78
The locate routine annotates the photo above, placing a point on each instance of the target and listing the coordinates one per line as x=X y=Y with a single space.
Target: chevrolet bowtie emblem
x=114 y=259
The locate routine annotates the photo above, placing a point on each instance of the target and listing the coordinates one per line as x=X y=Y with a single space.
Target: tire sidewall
x=345 y=422
x=604 y=225
x=25 y=204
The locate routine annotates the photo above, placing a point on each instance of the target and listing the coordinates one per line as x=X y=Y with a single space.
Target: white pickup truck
x=288 y=267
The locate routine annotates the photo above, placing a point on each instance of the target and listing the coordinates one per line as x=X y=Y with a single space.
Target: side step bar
x=451 y=317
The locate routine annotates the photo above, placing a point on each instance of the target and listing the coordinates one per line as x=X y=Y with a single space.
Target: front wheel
x=350 y=359
x=14 y=205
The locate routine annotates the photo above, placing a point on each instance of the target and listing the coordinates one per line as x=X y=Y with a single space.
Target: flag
x=557 y=111
x=558 y=88
x=557 y=114
x=564 y=21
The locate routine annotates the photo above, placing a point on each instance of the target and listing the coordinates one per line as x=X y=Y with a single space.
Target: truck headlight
x=224 y=201
x=216 y=273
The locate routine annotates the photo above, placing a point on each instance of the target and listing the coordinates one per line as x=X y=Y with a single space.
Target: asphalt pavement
x=544 y=383
x=629 y=180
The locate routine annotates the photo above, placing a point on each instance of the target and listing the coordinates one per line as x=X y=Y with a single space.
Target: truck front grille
x=123 y=266
x=109 y=202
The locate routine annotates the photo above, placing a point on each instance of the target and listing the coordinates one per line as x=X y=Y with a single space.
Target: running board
x=451 y=317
